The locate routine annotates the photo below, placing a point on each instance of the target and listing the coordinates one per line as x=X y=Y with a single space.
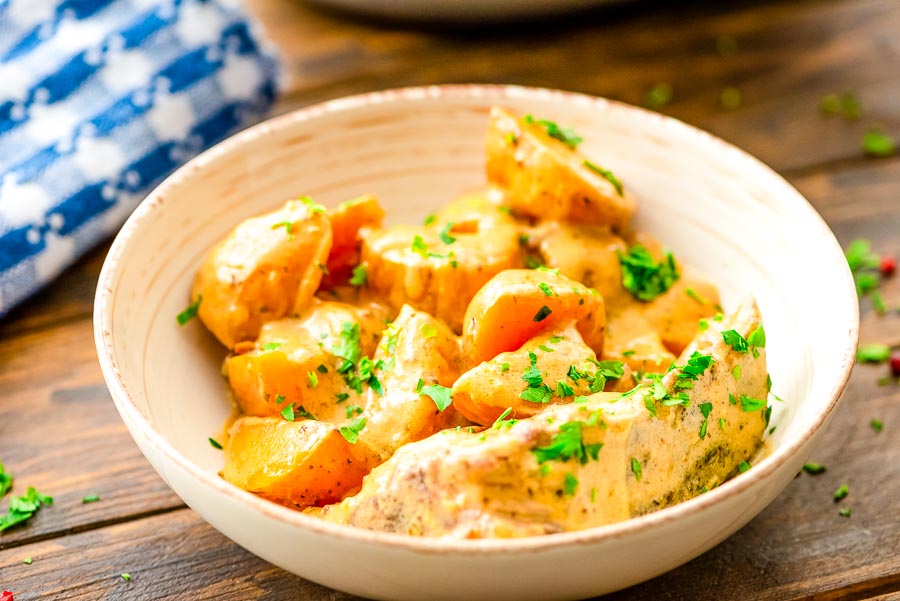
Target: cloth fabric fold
x=99 y=101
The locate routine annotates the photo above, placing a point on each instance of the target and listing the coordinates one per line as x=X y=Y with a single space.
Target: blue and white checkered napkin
x=101 y=99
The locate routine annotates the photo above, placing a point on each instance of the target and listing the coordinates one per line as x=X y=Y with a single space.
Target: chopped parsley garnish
x=736 y=372
x=355 y=369
x=542 y=313
x=878 y=144
x=6 y=481
x=547 y=290
x=191 y=312
x=441 y=395
x=342 y=396
x=873 y=353
x=90 y=499
x=876 y=424
x=570 y=484
x=313 y=379
x=351 y=431
x=628 y=353
x=878 y=303
x=568 y=444
x=749 y=404
x=271 y=346
x=636 y=469
x=419 y=247
x=287 y=225
x=814 y=469
x=563 y=390
x=696 y=296
x=841 y=493
x=743 y=466
x=845 y=512
x=502 y=422
x=545 y=348
x=734 y=339
x=658 y=96
x=22 y=509
x=504 y=367
x=555 y=339
x=360 y=275
x=430 y=219
x=313 y=206
x=125 y=576
x=444 y=234
x=428 y=330
x=643 y=277
x=27 y=561
x=353 y=410
x=730 y=98
x=322 y=369
x=757 y=337
x=288 y=411
x=566 y=135
x=703 y=325
x=538 y=394
x=215 y=444
x=705 y=410
x=607 y=175
x=846 y=104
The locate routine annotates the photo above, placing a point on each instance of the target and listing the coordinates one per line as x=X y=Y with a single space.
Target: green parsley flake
x=743 y=466
x=215 y=444
x=288 y=412
x=757 y=337
x=643 y=277
x=607 y=175
x=873 y=353
x=814 y=469
x=441 y=395
x=312 y=378
x=360 y=275
x=342 y=396
x=636 y=469
x=419 y=247
x=845 y=512
x=696 y=296
x=736 y=372
x=542 y=313
x=628 y=353
x=547 y=290
x=563 y=390
x=538 y=394
x=430 y=219
x=846 y=104
x=125 y=576
x=27 y=561
x=733 y=339
x=703 y=325
x=271 y=346
x=841 y=493
x=730 y=98
x=351 y=431
x=878 y=144
x=659 y=96
x=6 y=481
x=878 y=303
x=90 y=499
x=570 y=484
x=749 y=404
x=567 y=444
x=504 y=367
x=287 y=225
x=566 y=135
x=444 y=234
x=876 y=424
x=22 y=509
x=545 y=348
x=555 y=339
x=353 y=410
x=191 y=312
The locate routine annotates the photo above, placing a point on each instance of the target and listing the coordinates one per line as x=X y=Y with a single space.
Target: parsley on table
x=570 y=484
x=845 y=512
x=566 y=135
x=125 y=576
x=873 y=353
x=814 y=469
x=22 y=509
x=27 y=561
x=191 y=312
x=441 y=395
x=607 y=175
x=643 y=277
x=876 y=424
x=878 y=144
x=359 y=276
x=6 y=481
x=730 y=98
x=841 y=493
x=563 y=390
x=659 y=96
x=846 y=104
x=351 y=431
x=90 y=499
x=567 y=444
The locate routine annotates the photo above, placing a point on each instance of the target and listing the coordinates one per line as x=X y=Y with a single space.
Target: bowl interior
x=716 y=208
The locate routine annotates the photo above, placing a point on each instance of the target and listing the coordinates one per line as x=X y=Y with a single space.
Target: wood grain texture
x=60 y=432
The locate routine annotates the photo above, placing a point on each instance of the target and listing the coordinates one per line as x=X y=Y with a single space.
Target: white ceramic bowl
x=718 y=208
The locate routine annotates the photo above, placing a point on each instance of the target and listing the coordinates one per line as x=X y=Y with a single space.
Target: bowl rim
x=234 y=144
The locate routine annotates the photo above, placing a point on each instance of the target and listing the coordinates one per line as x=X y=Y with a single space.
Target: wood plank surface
x=60 y=432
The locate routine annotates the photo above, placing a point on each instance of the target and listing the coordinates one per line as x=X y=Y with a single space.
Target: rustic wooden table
x=60 y=432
